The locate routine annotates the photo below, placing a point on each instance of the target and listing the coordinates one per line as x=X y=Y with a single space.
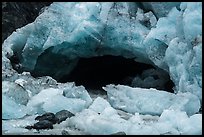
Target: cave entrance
x=96 y=72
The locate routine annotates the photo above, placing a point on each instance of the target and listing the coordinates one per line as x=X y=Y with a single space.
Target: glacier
x=166 y=35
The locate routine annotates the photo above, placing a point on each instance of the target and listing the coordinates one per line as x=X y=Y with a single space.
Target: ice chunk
x=12 y=110
x=36 y=102
x=70 y=104
x=15 y=92
x=31 y=84
x=99 y=105
x=52 y=100
x=178 y=120
x=150 y=101
x=72 y=91
x=193 y=126
x=99 y=119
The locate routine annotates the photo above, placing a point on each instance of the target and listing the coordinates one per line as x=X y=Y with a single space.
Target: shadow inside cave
x=96 y=72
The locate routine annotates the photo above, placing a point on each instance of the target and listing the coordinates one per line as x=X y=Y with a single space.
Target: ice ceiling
x=169 y=39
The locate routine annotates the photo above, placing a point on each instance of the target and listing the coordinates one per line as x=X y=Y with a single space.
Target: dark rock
x=47 y=116
x=29 y=127
x=119 y=133
x=63 y=115
x=44 y=124
x=64 y=132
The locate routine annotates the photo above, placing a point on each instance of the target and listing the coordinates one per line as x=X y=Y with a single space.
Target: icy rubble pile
x=54 y=42
x=101 y=119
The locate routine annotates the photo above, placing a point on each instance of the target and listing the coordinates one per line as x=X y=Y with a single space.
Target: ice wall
x=54 y=42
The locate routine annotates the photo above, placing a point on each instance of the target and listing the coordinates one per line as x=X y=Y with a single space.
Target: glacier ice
x=182 y=46
x=83 y=35
x=150 y=101
x=166 y=35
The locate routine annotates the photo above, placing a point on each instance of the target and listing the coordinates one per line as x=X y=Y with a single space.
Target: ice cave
x=104 y=68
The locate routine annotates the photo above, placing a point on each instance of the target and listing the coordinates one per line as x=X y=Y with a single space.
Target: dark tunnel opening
x=96 y=72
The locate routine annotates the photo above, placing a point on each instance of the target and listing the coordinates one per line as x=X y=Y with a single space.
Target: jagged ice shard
x=66 y=32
